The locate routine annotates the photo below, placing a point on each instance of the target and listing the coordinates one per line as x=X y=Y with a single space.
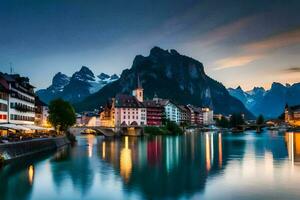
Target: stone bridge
x=109 y=131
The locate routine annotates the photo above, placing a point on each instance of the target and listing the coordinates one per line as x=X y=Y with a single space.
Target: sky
x=240 y=42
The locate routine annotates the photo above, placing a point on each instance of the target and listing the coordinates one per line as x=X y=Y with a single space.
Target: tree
x=236 y=120
x=61 y=114
x=260 y=120
x=223 y=122
x=173 y=128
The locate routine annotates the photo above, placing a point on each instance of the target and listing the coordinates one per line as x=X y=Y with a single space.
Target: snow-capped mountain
x=75 y=88
x=270 y=103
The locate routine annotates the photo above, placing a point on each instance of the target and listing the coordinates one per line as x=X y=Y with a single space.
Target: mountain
x=270 y=103
x=171 y=75
x=75 y=88
x=248 y=98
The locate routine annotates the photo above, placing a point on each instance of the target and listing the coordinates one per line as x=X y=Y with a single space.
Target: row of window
x=3 y=107
x=133 y=109
x=3 y=96
x=3 y=117
x=25 y=89
x=22 y=107
x=137 y=117
x=21 y=97
x=21 y=117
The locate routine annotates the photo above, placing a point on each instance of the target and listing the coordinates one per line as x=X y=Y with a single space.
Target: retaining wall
x=16 y=150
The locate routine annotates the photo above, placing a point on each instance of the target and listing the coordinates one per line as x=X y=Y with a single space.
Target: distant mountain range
x=77 y=87
x=269 y=103
x=167 y=74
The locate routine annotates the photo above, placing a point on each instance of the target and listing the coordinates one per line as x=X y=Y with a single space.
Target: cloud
x=275 y=42
x=293 y=69
x=257 y=50
x=236 y=61
x=226 y=31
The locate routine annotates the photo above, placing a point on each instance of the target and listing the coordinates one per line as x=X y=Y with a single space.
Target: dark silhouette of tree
x=260 y=120
x=223 y=122
x=61 y=114
x=236 y=120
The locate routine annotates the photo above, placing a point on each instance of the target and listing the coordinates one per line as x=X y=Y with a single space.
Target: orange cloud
x=274 y=42
x=257 y=50
x=226 y=31
x=236 y=61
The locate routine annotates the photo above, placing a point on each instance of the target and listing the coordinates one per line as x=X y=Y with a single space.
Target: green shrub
x=173 y=128
x=153 y=130
x=1 y=160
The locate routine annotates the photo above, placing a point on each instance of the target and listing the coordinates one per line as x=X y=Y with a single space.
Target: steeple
x=139 y=84
x=139 y=91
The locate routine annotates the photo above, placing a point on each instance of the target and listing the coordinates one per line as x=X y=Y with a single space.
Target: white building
x=172 y=111
x=21 y=99
x=208 y=116
x=129 y=111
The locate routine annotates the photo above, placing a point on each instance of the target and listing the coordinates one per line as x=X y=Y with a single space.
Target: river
x=191 y=166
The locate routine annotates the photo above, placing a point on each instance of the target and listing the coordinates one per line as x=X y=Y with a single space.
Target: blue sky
x=247 y=43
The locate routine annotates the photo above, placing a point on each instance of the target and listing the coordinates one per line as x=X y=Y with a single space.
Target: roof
x=16 y=78
x=127 y=101
x=295 y=108
x=193 y=108
x=183 y=108
x=152 y=103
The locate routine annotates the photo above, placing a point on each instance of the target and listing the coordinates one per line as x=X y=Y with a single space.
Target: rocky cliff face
x=75 y=88
x=169 y=75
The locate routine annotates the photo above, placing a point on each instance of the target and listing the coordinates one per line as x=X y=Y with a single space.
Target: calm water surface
x=192 y=166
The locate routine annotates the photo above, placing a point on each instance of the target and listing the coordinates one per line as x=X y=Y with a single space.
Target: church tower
x=139 y=91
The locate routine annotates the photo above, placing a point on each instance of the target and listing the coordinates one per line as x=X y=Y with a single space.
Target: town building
x=125 y=110
x=185 y=115
x=41 y=113
x=208 y=116
x=21 y=99
x=107 y=116
x=292 y=115
x=89 y=118
x=129 y=111
x=155 y=112
x=171 y=110
x=3 y=102
x=196 y=117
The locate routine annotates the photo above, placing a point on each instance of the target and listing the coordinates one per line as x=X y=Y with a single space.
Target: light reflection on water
x=199 y=165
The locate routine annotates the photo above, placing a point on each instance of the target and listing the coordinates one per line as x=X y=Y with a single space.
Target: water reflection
x=293 y=145
x=125 y=161
x=188 y=166
x=75 y=165
x=169 y=161
x=30 y=174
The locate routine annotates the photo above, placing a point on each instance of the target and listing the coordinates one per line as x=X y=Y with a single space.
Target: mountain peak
x=277 y=85
x=114 y=76
x=60 y=80
x=239 y=88
x=103 y=76
x=174 y=52
x=84 y=74
x=85 y=69
x=156 y=51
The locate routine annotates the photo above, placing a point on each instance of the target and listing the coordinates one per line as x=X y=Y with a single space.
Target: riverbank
x=16 y=150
